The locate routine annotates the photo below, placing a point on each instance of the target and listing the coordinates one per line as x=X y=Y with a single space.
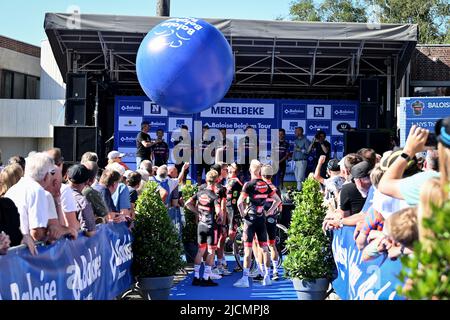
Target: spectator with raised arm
x=408 y=189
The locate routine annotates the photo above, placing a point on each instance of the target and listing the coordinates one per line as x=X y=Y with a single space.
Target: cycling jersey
x=233 y=190
x=258 y=192
x=207 y=201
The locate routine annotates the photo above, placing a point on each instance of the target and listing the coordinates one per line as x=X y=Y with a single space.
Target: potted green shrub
x=426 y=272
x=189 y=231
x=156 y=247
x=309 y=261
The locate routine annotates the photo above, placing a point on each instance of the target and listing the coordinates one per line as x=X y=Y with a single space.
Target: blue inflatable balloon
x=185 y=65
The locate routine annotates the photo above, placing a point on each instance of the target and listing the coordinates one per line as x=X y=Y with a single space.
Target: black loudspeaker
x=76 y=94
x=74 y=141
x=368 y=91
x=75 y=114
x=379 y=140
x=76 y=86
x=368 y=116
x=86 y=140
x=63 y=138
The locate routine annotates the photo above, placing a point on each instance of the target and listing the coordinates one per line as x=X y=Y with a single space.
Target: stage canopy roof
x=269 y=55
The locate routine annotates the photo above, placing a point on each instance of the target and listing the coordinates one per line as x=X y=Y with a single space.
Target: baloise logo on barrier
x=81 y=277
x=121 y=253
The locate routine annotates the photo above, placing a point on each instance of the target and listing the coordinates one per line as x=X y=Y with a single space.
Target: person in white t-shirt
x=32 y=200
x=66 y=200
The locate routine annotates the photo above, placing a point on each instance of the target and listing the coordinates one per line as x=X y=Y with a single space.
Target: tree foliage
x=427 y=271
x=189 y=233
x=431 y=16
x=309 y=248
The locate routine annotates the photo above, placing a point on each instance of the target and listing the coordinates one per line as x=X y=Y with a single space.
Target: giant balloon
x=185 y=65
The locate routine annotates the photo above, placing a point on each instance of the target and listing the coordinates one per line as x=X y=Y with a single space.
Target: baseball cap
x=389 y=158
x=361 y=170
x=78 y=174
x=333 y=165
x=115 y=154
x=442 y=130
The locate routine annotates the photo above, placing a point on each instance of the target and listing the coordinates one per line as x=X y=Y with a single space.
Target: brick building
x=430 y=71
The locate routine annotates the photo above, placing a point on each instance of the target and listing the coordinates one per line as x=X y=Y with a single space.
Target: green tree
x=328 y=11
x=428 y=269
x=431 y=16
x=342 y=11
x=304 y=10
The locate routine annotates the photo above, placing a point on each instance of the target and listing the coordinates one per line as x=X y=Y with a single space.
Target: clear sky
x=24 y=19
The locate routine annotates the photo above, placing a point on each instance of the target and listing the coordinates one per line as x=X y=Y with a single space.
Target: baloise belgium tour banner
x=95 y=268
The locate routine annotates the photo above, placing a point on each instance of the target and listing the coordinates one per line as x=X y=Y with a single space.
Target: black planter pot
x=190 y=249
x=156 y=288
x=311 y=289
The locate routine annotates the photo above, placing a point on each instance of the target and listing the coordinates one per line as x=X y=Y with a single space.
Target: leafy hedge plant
x=427 y=270
x=309 y=249
x=189 y=233
x=156 y=247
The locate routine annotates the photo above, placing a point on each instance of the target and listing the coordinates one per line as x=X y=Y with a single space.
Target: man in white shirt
x=33 y=201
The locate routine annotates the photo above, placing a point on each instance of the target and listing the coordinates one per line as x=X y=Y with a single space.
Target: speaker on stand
x=76 y=97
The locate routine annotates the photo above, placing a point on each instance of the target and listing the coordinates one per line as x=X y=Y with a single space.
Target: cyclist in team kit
x=257 y=191
x=205 y=204
x=271 y=221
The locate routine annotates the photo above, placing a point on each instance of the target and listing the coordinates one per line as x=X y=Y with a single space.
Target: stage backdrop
x=236 y=114
x=421 y=111
x=95 y=268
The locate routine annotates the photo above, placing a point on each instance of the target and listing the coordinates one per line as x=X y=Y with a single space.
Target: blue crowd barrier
x=94 y=268
x=357 y=280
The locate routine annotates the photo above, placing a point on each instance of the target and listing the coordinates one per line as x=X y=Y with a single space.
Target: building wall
x=30 y=118
x=19 y=62
x=431 y=63
x=52 y=84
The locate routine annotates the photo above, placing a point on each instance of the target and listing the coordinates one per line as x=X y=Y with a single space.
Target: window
x=17 y=85
x=7 y=81
x=431 y=91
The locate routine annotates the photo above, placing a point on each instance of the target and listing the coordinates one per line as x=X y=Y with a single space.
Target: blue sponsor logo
x=130 y=108
x=179 y=123
x=294 y=111
x=344 y=112
x=293 y=125
x=337 y=143
x=313 y=126
x=319 y=112
x=127 y=140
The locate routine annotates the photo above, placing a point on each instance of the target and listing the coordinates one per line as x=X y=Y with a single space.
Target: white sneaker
x=224 y=272
x=266 y=281
x=216 y=271
x=254 y=273
x=215 y=276
x=242 y=283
